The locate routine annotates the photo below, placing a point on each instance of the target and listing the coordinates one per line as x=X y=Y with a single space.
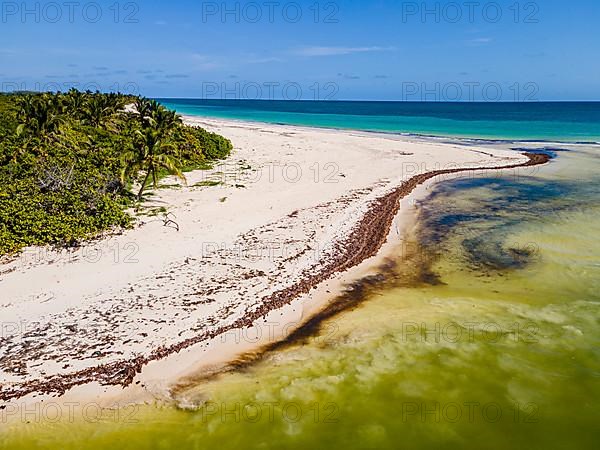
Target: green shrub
x=63 y=158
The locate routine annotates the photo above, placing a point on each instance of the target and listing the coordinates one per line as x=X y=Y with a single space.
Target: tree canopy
x=69 y=161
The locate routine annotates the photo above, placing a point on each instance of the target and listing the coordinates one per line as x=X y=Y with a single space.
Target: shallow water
x=485 y=336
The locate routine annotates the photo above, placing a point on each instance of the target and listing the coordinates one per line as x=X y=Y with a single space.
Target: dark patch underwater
x=485 y=227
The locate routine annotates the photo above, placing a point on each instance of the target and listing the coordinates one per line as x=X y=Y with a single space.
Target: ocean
x=562 y=121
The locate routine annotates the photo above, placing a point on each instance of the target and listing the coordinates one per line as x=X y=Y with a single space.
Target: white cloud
x=480 y=41
x=335 y=51
x=264 y=60
x=203 y=62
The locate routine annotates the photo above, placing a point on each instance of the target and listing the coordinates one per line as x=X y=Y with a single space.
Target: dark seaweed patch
x=485 y=227
x=516 y=195
x=552 y=152
x=492 y=255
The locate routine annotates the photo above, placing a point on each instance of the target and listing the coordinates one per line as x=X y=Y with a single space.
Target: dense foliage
x=68 y=162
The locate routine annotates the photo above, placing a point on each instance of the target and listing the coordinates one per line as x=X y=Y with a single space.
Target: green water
x=484 y=336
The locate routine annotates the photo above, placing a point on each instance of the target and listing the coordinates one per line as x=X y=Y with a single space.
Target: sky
x=318 y=50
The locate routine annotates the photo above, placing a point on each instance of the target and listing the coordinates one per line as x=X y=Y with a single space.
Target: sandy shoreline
x=266 y=240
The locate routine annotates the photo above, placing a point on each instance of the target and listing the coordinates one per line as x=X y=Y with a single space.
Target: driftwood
x=168 y=222
x=55 y=179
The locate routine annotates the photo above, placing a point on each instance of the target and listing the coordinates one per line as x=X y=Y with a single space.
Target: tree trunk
x=143 y=185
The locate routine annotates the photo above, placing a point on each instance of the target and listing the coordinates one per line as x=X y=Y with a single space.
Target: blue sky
x=382 y=50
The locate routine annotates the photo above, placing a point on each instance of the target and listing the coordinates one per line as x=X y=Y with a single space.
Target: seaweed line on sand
x=362 y=243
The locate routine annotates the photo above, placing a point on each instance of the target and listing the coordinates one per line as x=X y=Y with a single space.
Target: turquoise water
x=557 y=121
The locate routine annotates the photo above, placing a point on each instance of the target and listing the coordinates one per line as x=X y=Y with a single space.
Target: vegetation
x=69 y=162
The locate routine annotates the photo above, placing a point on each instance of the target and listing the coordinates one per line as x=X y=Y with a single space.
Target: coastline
x=453 y=135
x=359 y=215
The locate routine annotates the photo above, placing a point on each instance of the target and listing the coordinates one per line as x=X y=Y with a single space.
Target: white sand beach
x=185 y=302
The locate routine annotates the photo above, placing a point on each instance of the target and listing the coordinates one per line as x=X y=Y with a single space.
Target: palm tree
x=41 y=115
x=143 y=106
x=154 y=115
x=165 y=120
x=152 y=153
x=99 y=110
x=75 y=102
x=26 y=113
